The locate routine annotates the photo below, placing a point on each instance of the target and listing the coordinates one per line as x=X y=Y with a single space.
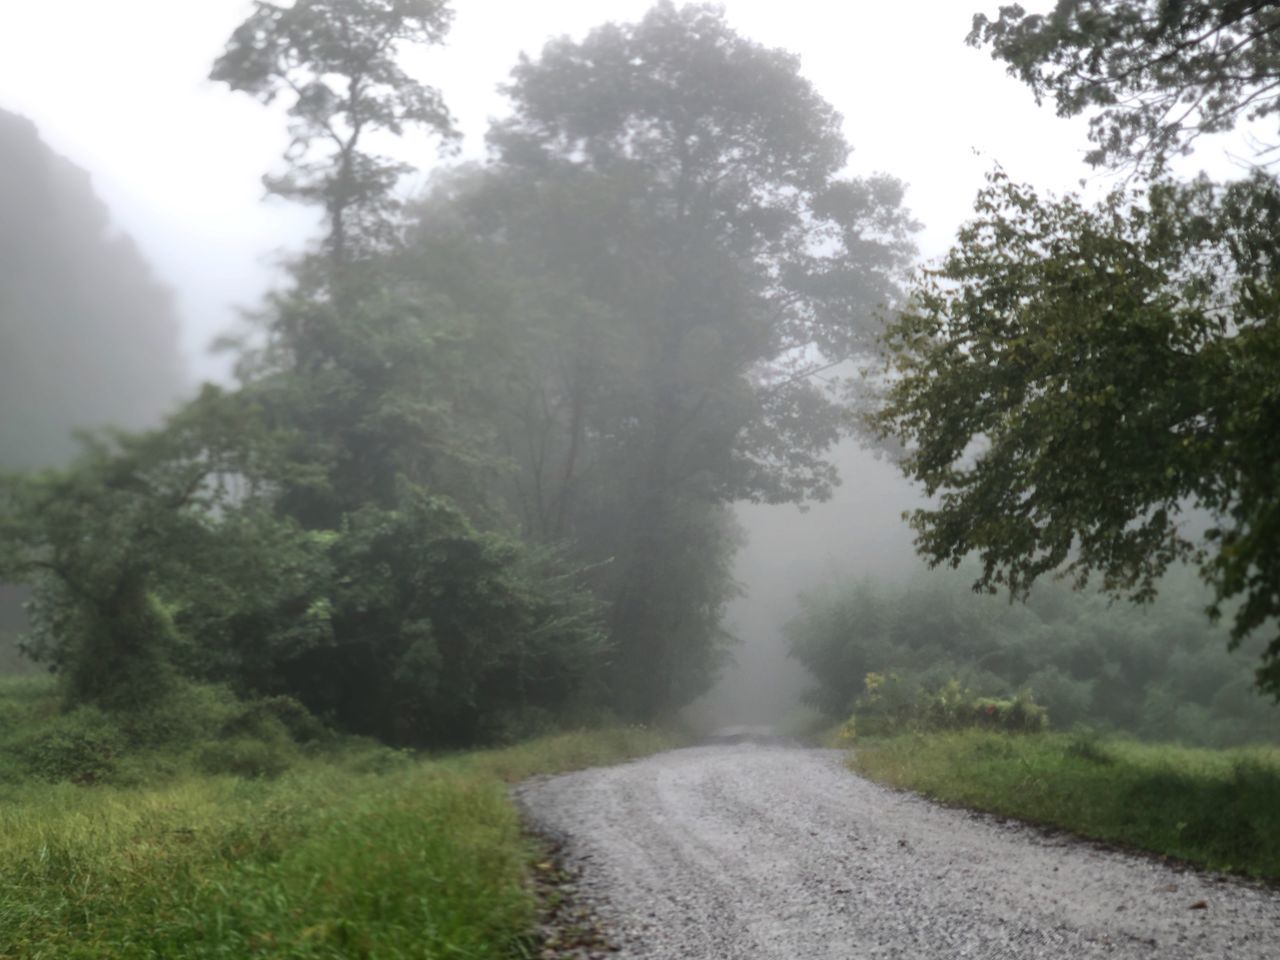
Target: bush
x=891 y=705
x=1161 y=671
x=82 y=746
x=268 y=717
x=1021 y=714
x=185 y=715
x=192 y=725
x=245 y=757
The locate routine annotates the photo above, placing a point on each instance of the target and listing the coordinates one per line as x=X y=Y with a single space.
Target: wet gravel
x=764 y=851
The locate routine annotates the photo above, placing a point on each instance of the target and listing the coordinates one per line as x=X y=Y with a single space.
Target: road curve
x=763 y=852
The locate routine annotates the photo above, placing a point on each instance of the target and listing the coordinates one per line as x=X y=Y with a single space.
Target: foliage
x=295 y=537
x=445 y=635
x=1216 y=809
x=1160 y=672
x=1071 y=380
x=139 y=523
x=1157 y=74
x=82 y=746
x=472 y=483
x=191 y=727
x=336 y=61
x=889 y=705
x=676 y=145
x=675 y=252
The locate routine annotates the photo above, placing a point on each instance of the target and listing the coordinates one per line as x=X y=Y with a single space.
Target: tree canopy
x=336 y=62
x=1154 y=74
x=670 y=200
x=1072 y=380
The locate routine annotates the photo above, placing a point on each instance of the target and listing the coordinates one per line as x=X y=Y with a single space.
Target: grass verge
x=362 y=853
x=1213 y=808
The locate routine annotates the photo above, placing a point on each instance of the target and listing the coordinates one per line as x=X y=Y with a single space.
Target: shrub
x=891 y=705
x=246 y=757
x=82 y=746
x=266 y=718
x=1021 y=714
x=188 y=713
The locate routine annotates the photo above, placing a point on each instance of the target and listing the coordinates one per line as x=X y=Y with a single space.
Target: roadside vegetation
x=1158 y=673
x=1214 y=808
x=261 y=844
x=471 y=483
x=1087 y=389
x=1135 y=727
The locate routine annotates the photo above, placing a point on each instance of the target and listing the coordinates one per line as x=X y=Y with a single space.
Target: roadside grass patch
x=319 y=863
x=1214 y=808
x=257 y=847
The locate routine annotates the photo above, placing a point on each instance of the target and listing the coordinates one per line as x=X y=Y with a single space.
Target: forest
x=476 y=474
x=469 y=505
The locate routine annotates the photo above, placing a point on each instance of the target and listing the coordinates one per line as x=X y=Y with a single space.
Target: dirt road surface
x=763 y=851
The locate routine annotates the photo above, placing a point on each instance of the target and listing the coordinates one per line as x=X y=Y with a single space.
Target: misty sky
x=120 y=88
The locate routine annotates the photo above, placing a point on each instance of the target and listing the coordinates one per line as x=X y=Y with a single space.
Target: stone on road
x=762 y=852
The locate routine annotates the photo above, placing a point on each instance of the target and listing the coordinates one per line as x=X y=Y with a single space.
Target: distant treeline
x=1161 y=672
x=87 y=336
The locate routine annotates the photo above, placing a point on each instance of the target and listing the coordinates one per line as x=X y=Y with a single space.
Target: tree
x=1158 y=73
x=669 y=198
x=1160 y=672
x=356 y=362
x=336 y=59
x=141 y=528
x=440 y=631
x=1071 y=379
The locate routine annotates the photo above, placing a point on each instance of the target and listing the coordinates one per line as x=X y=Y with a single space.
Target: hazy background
x=120 y=89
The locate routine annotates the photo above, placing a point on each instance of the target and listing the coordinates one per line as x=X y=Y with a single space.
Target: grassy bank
x=1215 y=808
x=354 y=851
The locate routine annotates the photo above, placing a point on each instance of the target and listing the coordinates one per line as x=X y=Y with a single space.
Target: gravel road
x=761 y=852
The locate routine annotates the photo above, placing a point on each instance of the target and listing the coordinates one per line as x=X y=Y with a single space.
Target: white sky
x=120 y=88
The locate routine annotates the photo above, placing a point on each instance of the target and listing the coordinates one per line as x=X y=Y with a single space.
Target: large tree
x=691 y=255
x=1071 y=379
x=336 y=62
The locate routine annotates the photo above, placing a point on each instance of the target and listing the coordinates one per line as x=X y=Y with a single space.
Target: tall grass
x=1215 y=808
x=356 y=851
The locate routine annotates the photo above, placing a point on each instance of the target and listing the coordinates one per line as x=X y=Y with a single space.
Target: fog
x=858 y=533
x=570 y=415
x=179 y=162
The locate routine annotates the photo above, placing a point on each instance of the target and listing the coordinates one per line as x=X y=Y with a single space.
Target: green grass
x=353 y=851
x=1215 y=808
